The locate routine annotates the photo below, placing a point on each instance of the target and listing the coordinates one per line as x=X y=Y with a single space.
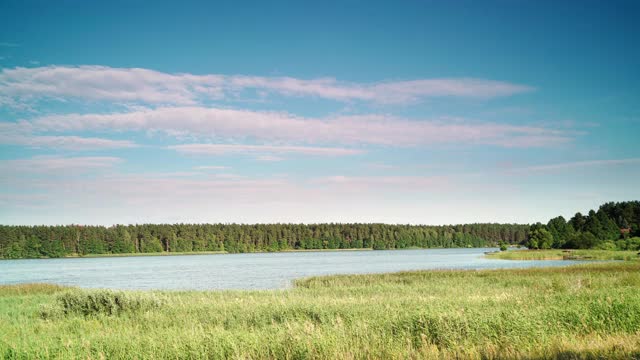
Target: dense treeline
x=57 y=241
x=615 y=226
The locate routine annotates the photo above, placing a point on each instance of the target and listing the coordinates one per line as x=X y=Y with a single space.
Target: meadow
x=582 y=312
x=559 y=254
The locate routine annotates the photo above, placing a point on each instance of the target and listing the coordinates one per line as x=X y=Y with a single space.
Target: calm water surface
x=242 y=271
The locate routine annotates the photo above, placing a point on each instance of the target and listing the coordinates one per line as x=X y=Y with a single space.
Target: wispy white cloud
x=383 y=92
x=172 y=174
x=122 y=197
x=23 y=133
x=228 y=176
x=571 y=165
x=210 y=167
x=75 y=143
x=19 y=128
x=60 y=165
x=216 y=124
x=102 y=83
x=220 y=149
x=397 y=182
x=380 y=166
x=269 y=158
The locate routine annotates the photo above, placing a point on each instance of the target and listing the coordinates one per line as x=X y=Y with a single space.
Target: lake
x=243 y=271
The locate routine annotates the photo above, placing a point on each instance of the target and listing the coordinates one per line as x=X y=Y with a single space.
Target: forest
x=614 y=226
x=69 y=240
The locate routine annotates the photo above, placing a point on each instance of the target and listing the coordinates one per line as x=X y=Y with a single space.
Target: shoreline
x=209 y=253
x=565 y=254
x=77 y=256
x=512 y=254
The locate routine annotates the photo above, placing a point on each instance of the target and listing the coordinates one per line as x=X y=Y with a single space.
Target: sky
x=411 y=112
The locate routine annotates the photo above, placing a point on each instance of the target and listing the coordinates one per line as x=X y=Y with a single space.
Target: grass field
x=585 y=311
x=557 y=254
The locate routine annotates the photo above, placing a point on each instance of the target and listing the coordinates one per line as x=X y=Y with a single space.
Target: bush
x=633 y=243
x=503 y=247
x=105 y=302
x=606 y=245
x=628 y=244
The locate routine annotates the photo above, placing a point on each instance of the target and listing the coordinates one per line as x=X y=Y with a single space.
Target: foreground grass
x=585 y=311
x=557 y=254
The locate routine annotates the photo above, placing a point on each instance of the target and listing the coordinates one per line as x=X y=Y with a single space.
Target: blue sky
x=355 y=111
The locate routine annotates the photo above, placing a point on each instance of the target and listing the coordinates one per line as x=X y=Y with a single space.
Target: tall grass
x=101 y=302
x=586 y=311
x=558 y=254
x=27 y=289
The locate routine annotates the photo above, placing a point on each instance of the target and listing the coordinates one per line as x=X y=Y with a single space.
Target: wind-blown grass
x=29 y=289
x=101 y=302
x=585 y=311
x=558 y=254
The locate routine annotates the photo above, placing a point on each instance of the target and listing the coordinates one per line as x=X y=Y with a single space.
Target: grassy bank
x=556 y=254
x=203 y=253
x=325 y=250
x=582 y=311
x=146 y=254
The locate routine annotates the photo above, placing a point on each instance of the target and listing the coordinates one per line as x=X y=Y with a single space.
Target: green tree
x=577 y=222
x=582 y=240
x=560 y=230
x=123 y=243
x=540 y=238
x=32 y=248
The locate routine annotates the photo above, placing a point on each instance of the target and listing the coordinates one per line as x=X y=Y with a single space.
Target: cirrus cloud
x=102 y=83
x=75 y=143
x=220 y=149
x=387 y=92
x=58 y=164
x=138 y=85
x=570 y=166
x=216 y=124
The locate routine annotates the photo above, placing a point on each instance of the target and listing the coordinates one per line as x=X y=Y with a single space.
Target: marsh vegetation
x=584 y=311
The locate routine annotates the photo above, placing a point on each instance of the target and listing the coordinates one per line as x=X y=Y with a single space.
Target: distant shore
x=145 y=254
x=208 y=253
x=76 y=256
x=512 y=254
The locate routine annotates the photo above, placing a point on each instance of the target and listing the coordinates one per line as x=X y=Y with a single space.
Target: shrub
x=606 y=245
x=633 y=243
x=105 y=302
